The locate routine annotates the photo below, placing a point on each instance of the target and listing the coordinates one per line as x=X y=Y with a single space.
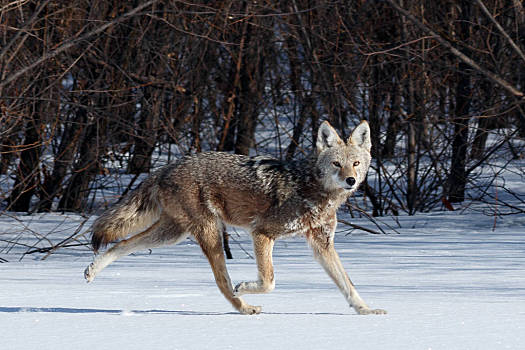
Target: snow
x=447 y=280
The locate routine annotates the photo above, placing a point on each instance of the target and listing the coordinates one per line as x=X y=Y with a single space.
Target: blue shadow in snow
x=69 y=310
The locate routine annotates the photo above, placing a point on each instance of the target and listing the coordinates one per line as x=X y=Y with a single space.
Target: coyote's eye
x=356 y=163
x=337 y=164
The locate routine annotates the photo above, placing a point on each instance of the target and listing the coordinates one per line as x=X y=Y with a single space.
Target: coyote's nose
x=350 y=181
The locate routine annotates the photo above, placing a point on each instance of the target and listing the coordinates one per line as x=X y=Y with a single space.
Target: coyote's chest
x=312 y=220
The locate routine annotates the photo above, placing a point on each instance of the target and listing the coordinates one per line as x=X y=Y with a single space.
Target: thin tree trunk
x=393 y=124
x=301 y=98
x=232 y=96
x=9 y=130
x=63 y=161
x=458 y=175
x=480 y=140
x=251 y=84
x=411 y=192
x=226 y=244
x=28 y=171
x=146 y=136
x=86 y=167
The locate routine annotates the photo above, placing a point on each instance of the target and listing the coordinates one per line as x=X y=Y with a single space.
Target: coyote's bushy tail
x=138 y=210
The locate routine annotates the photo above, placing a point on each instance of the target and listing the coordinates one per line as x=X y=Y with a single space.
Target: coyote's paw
x=368 y=311
x=89 y=273
x=250 y=310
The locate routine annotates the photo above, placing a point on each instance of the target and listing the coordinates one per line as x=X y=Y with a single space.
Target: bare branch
x=501 y=30
x=70 y=43
x=493 y=77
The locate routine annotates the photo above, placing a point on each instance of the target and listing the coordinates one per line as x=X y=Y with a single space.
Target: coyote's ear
x=327 y=137
x=361 y=136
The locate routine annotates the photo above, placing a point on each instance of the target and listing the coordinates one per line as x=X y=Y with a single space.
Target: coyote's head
x=343 y=166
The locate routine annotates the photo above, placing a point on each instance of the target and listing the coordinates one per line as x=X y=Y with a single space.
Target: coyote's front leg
x=325 y=253
x=263 y=248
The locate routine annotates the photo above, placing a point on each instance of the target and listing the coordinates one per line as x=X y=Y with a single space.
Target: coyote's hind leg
x=209 y=239
x=163 y=232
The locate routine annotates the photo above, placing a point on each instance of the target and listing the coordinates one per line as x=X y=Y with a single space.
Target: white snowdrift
x=447 y=280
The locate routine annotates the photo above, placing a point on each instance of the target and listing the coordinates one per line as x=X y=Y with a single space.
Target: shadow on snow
x=69 y=310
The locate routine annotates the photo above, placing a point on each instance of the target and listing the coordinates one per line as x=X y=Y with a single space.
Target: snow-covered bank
x=447 y=281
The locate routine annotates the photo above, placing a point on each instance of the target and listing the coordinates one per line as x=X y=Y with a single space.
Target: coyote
x=198 y=194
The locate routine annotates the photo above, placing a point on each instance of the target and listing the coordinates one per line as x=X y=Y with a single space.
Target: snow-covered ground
x=447 y=280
